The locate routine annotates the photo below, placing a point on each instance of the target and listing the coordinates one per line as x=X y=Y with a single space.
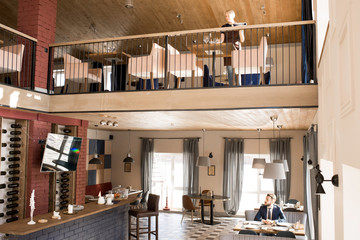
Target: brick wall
x=37 y=18
x=39 y=127
x=111 y=224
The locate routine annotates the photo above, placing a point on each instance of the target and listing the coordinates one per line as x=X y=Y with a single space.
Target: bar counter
x=67 y=222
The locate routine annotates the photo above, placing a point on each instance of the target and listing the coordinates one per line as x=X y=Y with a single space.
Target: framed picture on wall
x=211 y=170
x=127 y=167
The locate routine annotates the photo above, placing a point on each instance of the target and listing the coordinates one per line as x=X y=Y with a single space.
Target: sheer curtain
x=311 y=199
x=280 y=150
x=147 y=159
x=233 y=174
x=191 y=171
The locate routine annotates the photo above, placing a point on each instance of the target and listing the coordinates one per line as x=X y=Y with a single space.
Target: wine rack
x=62 y=184
x=14 y=140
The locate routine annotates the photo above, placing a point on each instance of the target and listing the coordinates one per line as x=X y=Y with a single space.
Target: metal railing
x=17 y=58
x=269 y=54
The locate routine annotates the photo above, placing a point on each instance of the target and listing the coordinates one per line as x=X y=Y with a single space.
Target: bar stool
x=152 y=210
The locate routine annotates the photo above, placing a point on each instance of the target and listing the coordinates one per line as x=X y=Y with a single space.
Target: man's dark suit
x=277 y=214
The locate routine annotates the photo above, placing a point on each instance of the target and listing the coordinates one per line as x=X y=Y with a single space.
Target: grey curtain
x=280 y=150
x=311 y=200
x=233 y=174
x=191 y=171
x=147 y=159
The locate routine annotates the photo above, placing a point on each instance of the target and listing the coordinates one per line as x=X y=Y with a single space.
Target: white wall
x=339 y=118
x=214 y=142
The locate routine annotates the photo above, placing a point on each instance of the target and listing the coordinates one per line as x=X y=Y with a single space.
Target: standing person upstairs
x=231 y=37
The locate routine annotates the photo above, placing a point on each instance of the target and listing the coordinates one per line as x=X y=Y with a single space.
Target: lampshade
x=95 y=160
x=320 y=189
x=258 y=163
x=203 y=161
x=274 y=171
x=286 y=167
x=128 y=159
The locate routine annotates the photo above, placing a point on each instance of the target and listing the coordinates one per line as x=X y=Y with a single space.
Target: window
x=59 y=78
x=255 y=187
x=167 y=179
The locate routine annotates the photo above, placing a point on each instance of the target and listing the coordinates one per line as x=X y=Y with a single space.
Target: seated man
x=270 y=213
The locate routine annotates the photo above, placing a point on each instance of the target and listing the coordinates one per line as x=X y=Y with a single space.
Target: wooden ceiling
x=244 y=119
x=94 y=19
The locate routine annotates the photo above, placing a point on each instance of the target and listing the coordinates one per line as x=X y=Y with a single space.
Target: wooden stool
x=152 y=210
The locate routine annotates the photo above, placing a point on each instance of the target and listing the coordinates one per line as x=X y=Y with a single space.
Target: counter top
x=21 y=227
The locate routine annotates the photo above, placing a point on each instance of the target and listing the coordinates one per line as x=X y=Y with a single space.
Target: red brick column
x=81 y=166
x=37 y=18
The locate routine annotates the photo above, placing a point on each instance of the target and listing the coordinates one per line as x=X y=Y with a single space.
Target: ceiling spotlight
x=109 y=123
x=115 y=124
x=129 y=4
x=102 y=122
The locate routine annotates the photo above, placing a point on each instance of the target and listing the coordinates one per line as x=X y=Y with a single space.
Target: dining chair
x=11 y=59
x=188 y=205
x=151 y=211
x=247 y=232
x=80 y=73
x=207 y=203
x=290 y=210
x=286 y=234
x=137 y=203
x=292 y=201
x=184 y=65
x=250 y=60
x=250 y=215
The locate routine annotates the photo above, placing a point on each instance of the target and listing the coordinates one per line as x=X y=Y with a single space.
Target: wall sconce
x=320 y=179
x=115 y=124
x=109 y=123
x=102 y=122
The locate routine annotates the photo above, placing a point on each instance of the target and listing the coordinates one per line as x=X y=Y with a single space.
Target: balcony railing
x=17 y=58
x=269 y=54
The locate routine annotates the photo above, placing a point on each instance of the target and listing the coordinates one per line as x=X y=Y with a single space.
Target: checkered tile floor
x=171 y=228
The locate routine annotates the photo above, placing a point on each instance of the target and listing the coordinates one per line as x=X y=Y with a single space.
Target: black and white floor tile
x=171 y=228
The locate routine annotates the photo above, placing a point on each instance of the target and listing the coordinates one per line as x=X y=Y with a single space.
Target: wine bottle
x=3 y=144
x=2 y=173
x=64 y=174
x=13 y=199
x=13 y=185
x=64 y=190
x=64 y=185
x=12 y=179
x=14 y=152
x=14 y=165
x=13 y=159
x=16 y=125
x=4 y=131
x=2 y=186
x=15 y=139
x=64 y=196
x=57 y=180
x=12 y=172
x=15 y=145
x=64 y=180
x=2 y=201
x=12 y=192
x=64 y=202
x=1 y=215
x=12 y=219
x=12 y=212
x=15 y=132
x=3 y=158
x=12 y=205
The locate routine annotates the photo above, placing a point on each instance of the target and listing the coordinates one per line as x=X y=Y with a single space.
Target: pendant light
x=203 y=160
x=274 y=170
x=128 y=158
x=259 y=163
x=95 y=159
x=286 y=166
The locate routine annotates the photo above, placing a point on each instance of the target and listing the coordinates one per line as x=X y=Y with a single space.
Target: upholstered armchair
x=11 y=59
x=250 y=60
x=79 y=72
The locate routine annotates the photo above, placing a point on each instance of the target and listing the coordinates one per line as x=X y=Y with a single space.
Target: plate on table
x=251 y=226
x=280 y=228
x=284 y=224
x=93 y=199
x=252 y=222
